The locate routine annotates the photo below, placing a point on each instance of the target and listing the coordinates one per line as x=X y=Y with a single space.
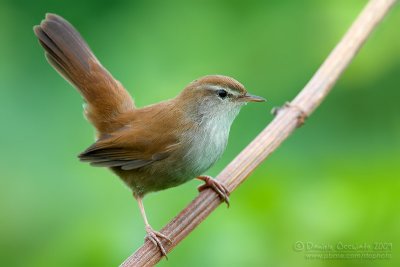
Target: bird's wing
x=129 y=149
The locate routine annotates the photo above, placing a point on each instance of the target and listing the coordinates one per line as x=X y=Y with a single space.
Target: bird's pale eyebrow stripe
x=217 y=87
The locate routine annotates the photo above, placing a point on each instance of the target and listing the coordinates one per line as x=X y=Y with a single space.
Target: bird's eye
x=222 y=93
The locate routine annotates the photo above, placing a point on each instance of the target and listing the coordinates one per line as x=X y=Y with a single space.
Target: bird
x=154 y=147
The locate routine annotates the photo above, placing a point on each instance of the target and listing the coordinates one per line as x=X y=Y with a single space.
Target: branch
x=287 y=119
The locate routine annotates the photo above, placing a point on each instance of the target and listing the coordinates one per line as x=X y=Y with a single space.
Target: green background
x=335 y=180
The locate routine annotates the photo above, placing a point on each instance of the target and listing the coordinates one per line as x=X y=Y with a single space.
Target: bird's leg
x=218 y=187
x=152 y=235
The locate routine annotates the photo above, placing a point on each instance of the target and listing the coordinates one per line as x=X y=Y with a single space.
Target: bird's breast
x=205 y=145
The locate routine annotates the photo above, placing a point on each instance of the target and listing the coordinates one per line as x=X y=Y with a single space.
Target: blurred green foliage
x=335 y=180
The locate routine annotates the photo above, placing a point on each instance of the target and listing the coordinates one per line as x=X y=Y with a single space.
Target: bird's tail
x=69 y=54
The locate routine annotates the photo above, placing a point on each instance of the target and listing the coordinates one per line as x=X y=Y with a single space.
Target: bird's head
x=216 y=96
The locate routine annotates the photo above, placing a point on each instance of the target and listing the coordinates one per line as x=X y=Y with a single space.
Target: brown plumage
x=150 y=148
x=69 y=54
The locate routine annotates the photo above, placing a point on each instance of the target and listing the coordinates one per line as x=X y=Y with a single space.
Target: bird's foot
x=218 y=187
x=154 y=237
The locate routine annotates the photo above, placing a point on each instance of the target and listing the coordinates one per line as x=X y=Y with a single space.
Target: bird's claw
x=153 y=236
x=218 y=187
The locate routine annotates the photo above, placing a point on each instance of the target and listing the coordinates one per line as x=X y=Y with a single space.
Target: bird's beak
x=252 y=98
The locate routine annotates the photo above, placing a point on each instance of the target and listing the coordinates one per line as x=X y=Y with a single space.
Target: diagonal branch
x=287 y=119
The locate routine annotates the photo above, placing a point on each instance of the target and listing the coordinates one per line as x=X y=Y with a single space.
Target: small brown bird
x=155 y=147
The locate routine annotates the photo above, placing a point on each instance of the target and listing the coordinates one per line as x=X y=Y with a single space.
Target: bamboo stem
x=287 y=119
